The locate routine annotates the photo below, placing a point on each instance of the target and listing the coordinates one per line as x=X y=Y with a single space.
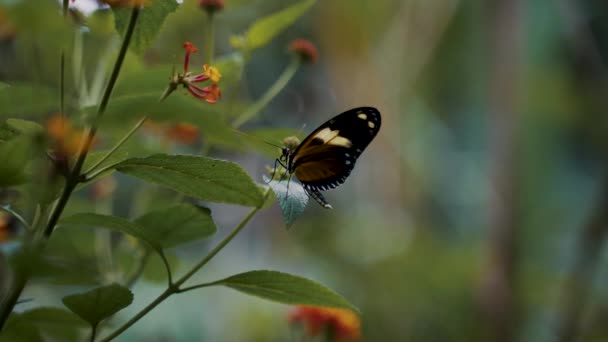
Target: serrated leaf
x=177 y=225
x=149 y=22
x=285 y=288
x=204 y=178
x=264 y=30
x=292 y=199
x=100 y=303
x=113 y=223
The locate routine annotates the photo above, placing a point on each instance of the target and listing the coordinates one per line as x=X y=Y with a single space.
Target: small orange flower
x=305 y=49
x=341 y=324
x=65 y=139
x=183 y=132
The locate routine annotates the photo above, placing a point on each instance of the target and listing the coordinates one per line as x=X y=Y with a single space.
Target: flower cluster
x=334 y=324
x=209 y=93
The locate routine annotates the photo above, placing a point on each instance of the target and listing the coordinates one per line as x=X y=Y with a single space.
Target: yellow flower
x=212 y=72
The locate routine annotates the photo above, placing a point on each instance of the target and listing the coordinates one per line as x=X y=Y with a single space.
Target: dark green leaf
x=15 y=154
x=100 y=303
x=264 y=30
x=285 y=288
x=58 y=323
x=149 y=23
x=176 y=225
x=204 y=178
x=18 y=330
x=25 y=126
x=113 y=223
x=155 y=270
x=292 y=200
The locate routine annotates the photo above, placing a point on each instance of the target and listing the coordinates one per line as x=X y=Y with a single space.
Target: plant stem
x=210 y=41
x=270 y=94
x=116 y=147
x=74 y=177
x=64 y=11
x=72 y=180
x=17 y=216
x=93 y=333
x=175 y=287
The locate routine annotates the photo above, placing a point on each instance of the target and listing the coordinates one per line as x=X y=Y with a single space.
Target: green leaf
x=114 y=223
x=100 y=303
x=24 y=99
x=149 y=22
x=155 y=269
x=265 y=29
x=25 y=126
x=285 y=288
x=15 y=154
x=292 y=199
x=204 y=178
x=61 y=324
x=177 y=225
x=18 y=330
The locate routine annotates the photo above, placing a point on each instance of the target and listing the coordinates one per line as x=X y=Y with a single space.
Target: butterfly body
x=326 y=157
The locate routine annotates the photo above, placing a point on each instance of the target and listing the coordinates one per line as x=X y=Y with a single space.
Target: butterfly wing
x=328 y=155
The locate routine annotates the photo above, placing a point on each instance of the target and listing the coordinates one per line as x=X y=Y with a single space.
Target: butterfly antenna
x=256 y=138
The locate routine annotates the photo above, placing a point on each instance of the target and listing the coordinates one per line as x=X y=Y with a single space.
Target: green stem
x=116 y=147
x=74 y=177
x=198 y=286
x=175 y=287
x=210 y=41
x=72 y=180
x=167 y=268
x=64 y=10
x=270 y=94
x=93 y=332
x=143 y=260
x=17 y=216
x=219 y=247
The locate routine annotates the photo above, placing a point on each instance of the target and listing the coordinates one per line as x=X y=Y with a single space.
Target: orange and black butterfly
x=328 y=155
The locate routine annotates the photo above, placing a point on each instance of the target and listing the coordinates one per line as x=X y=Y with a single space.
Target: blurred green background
x=464 y=220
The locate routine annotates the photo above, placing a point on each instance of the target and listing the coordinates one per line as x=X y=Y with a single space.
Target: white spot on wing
x=362 y=116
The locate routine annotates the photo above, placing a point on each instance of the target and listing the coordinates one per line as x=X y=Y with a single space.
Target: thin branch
x=175 y=287
x=17 y=216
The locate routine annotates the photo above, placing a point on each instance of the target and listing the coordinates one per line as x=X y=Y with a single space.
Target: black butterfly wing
x=328 y=155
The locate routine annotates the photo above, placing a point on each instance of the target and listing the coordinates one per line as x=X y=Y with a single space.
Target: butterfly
x=326 y=157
